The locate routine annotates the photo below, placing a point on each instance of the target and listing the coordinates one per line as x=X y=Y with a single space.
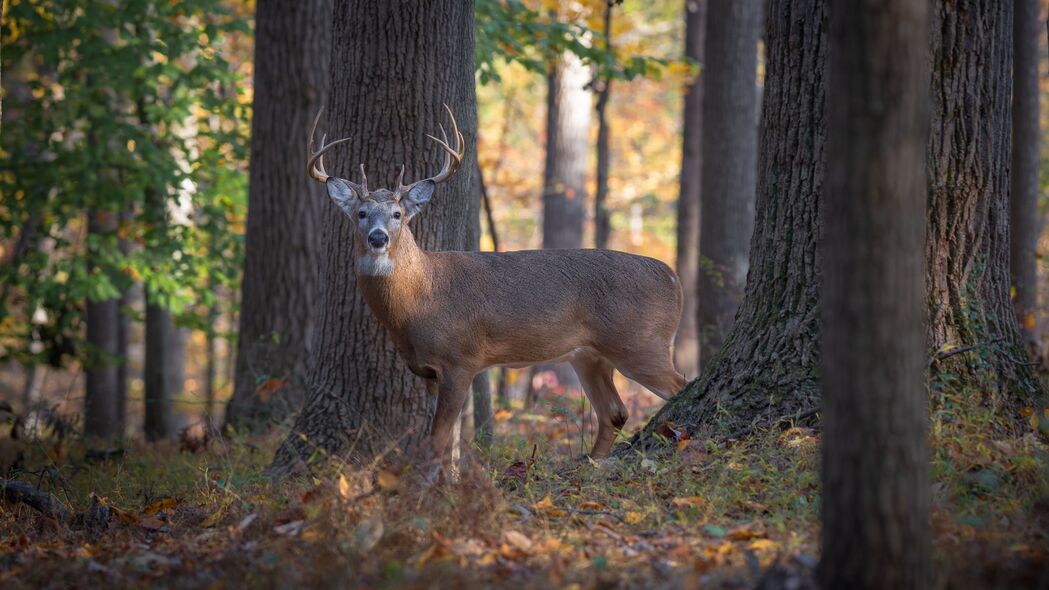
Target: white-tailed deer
x=454 y=314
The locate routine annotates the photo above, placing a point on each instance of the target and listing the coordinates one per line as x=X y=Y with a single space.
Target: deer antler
x=453 y=157
x=315 y=164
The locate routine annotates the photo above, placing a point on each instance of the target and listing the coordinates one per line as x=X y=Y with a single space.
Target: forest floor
x=529 y=513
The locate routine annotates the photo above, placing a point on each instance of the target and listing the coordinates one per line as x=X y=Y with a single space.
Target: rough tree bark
x=361 y=397
x=968 y=224
x=102 y=370
x=875 y=506
x=602 y=216
x=282 y=244
x=1026 y=225
x=729 y=178
x=767 y=366
x=686 y=344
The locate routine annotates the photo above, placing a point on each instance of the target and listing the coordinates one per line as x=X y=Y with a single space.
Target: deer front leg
x=452 y=389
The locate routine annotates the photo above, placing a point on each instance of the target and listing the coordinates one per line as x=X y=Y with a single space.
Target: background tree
x=1024 y=219
x=767 y=366
x=686 y=345
x=729 y=178
x=359 y=390
x=102 y=368
x=875 y=502
x=282 y=250
x=968 y=225
x=603 y=84
x=567 y=139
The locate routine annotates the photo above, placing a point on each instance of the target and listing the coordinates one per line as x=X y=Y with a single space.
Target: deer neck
x=396 y=283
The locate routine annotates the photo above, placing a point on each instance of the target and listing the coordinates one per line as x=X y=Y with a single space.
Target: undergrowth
x=525 y=514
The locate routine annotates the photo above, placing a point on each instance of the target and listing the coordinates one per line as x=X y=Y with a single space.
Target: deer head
x=380 y=214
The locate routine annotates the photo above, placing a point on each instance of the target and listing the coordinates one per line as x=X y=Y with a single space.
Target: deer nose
x=378 y=238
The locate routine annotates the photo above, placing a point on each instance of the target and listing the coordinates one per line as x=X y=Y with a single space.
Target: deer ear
x=418 y=196
x=342 y=193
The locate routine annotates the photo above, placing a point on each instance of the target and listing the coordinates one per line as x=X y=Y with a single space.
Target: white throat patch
x=375 y=265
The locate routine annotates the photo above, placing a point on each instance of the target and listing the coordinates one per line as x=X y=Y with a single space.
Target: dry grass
x=528 y=514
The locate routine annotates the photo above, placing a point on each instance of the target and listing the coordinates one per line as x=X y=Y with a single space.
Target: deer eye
x=396 y=214
x=361 y=214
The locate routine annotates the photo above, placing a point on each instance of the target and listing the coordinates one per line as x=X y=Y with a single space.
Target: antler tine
x=453 y=157
x=315 y=163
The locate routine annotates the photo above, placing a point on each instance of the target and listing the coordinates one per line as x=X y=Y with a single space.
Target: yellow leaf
x=214 y=518
x=502 y=415
x=763 y=545
x=387 y=480
x=1025 y=412
x=633 y=517
x=546 y=506
x=591 y=505
x=692 y=501
x=1029 y=321
x=165 y=504
x=344 y=487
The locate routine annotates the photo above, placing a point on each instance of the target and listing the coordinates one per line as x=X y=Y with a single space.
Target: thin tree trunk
x=686 y=344
x=210 y=368
x=500 y=389
x=282 y=244
x=1026 y=225
x=484 y=424
x=102 y=366
x=767 y=366
x=362 y=398
x=730 y=148
x=968 y=225
x=157 y=379
x=602 y=217
x=875 y=506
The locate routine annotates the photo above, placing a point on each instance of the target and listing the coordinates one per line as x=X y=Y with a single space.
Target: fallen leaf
x=152 y=524
x=387 y=480
x=503 y=415
x=591 y=505
x=546 y=506
x=518 y=540
x=763 y=545
x=746 y=532
x=689 y=501
x=516 y=473
x=344 y=487
x=290 y=529
x=214 y=518
x=633 y=517
x=246 y=522
x=165 y=504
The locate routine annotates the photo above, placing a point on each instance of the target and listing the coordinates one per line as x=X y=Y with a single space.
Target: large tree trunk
x=968 y=232
x=102 y=368
x=875 y=504
x=292 y=46
x=767 y=366
x=1026 y=225
x=730 y=149
x=361 y=396
x=686 y=344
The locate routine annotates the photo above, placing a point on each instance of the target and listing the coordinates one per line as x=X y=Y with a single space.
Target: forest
x=524 y=293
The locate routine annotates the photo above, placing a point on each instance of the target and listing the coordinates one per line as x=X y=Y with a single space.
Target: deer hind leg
x=653 y=368
x=595 y=373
